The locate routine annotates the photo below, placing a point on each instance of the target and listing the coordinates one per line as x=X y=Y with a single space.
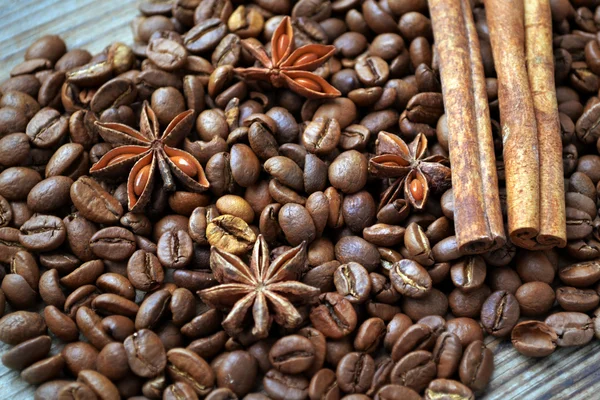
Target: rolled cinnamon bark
x=532 y=153
x=540 y=68
x=477 y=212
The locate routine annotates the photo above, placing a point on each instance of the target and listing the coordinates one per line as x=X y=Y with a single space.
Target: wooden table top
x=570 y=373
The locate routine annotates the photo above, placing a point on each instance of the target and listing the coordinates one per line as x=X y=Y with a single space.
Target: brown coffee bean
x=500 y=313
x=245 y=166
x=355 y=372
x=26 y=353
x=100 y=385
x=281 y=386
x=296 y=224
x=230 y=234
x=79 y=356
x=175 y=249
x=468 y=304
x=144 y=271
x=334 y=317
x=352 y=281
x=44 y=370
x=42 y=233
x=18 y=292
x=410 y=279
x=86 y=274
x=447 y=388
x=94 y=203
x=415 y=370
x=348 y=172
x=60 y=324
x=113 y=243
x=447 y=354
x=534 y=338
x=433 y=303
x=292 y=354
x=324 y=385
x=466 y=329
x=152 y=309
x=16 y=182
x=476 y=366
x=468 y=274
x=186 y=366
x=575 y=299
x=47 y=128
x=145 y=353
x=416 y=337
x=535 y=298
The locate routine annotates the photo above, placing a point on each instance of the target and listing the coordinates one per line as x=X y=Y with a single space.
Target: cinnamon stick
x=532 y=153
x=477 y=213
x=540 y=68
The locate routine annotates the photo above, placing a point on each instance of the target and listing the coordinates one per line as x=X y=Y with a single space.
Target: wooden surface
x=572 y=373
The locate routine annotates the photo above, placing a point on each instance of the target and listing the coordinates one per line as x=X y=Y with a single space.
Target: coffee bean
x=476 y=366
x=236 y=372
x=415 y=370
x=440 y=388
x=44 y=370
x=292 y=354
x=416 y=337
x=113 y=243
x=42 y=233
x=175 y=249
x=26 y=353
x=79 y=356
x=334 y=317
x=145 y=353
x=572 y=328
x=355 y=372
x=499 y=313
x=281 y=386
x=534 y=338
x=60 y=324
x=410 y=279
x=95 y=203
x=186 y=366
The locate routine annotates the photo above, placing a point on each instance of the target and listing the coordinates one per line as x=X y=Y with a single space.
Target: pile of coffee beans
x=401 y=315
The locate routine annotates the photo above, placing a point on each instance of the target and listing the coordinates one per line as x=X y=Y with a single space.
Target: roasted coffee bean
x=152 y=309
x=410 y=279
x=186 y=366
x=292 y=354
x=26 y=353
x=334 y=317
x=447 y=388
x=574 y=299
x=447 y=354
x=500 y=313
x=433 y=303
x=79 y=356
x=44 y=370
x=415 y=370
x=416 y=337
x=175 y=249
x=47 y=128
x=534 y=338
x=572 y=328
x=466 y=329
x=355 y=372
x=145 y=353
x=113 y=243
x=42 y=233
x=281 y=386
x=535 y=298
x=476 y=366
x=324 y=385
x=353 y=282
x=236 y=372
x=60 y=324
x=369 y=335
x=94 y=203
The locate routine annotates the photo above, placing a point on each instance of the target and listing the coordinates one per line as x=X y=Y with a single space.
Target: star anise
x=421 y=173
x=288 y=67
x=144 y=152
x=268 y=288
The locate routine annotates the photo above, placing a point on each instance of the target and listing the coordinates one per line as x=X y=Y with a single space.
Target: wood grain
x=572 y=373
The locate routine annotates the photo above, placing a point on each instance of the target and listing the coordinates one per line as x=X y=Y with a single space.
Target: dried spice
x=420 y=172
x=478 y=217
x=145 y=151
x=264 y=287
x=288 y=67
